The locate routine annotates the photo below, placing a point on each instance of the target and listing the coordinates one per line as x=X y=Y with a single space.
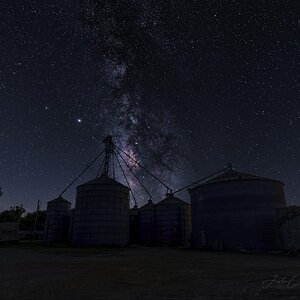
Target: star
x=183 y=87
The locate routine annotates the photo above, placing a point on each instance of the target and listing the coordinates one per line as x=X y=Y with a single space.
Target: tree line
x=25 y=219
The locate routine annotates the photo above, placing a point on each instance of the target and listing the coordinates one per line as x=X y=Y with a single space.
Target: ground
x=37 y=272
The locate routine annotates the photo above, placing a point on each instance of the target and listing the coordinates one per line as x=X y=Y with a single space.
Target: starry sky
x=183 y=86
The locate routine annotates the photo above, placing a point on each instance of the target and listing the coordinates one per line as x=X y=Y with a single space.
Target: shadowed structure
x=57 y=221
x=173 y=222
x=147 y=223
x=101 y=213
x=288 y=223
x=237 y=210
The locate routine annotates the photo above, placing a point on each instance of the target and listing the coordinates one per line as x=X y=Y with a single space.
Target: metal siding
x=101 y=215
x=238 y=213
x=147 y=224
x=134 y=230
x=173 y=222
x=57 y=221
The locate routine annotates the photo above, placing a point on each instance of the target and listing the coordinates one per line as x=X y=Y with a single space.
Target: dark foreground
x=37 y=272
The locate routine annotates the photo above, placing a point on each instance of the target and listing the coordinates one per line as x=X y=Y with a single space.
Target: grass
x=60 y=272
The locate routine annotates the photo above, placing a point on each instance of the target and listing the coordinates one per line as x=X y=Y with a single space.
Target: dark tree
x=14 y=214
x=27 y=221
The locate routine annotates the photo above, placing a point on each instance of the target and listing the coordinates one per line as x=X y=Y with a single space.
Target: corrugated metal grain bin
x=173 y=222
x=134 y=230
x=147 y=224
x=101 y=213
x=71 y=227
x=237 y=211
x=57 y=221
x=288 y=222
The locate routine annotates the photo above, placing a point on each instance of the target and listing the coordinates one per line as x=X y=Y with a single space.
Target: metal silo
x=70 y=235
x=133 y=225
x=57 y=221
x=173 y=222
x=147 y=223
x=101 y=213
x=236 y=211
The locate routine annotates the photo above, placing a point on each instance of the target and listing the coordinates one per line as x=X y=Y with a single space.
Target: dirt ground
x=39 y=272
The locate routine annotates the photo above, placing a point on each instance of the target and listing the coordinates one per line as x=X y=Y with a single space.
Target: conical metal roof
x=231 y=174
x=171 y=200
x=104 y=180
x=59 y=199
x=148 y=205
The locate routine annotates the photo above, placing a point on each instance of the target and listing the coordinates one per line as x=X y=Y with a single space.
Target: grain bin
x=288 y=222
x=70 y=234
x=236 y=210
x=173 y=222
x=101 y=213
x=57 y=221
x=133 y=225
x=147 y=223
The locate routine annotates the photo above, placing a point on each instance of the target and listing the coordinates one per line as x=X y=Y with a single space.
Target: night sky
x=184 y=86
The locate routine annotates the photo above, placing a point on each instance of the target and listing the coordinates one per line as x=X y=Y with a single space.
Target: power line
x=100 y=169
x=229 y=167
x=81 y=173
x=134 y=174
x=169 y=190
x=135 y=202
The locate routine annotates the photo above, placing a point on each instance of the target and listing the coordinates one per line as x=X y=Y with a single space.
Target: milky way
x=132 y=56
x=185 y=86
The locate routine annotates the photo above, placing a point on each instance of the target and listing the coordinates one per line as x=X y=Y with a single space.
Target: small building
x=9 y=232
